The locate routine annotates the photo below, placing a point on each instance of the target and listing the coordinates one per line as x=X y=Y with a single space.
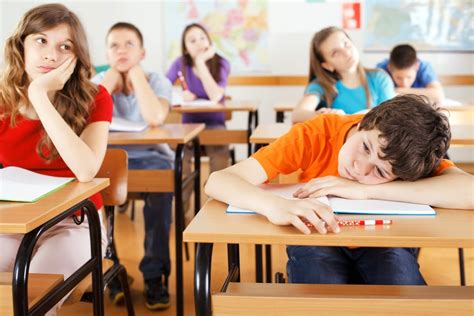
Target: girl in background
x=338 y=81
x=205 y=76
x=57 y=120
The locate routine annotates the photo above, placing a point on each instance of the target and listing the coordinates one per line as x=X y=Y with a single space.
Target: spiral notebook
x=347 y=206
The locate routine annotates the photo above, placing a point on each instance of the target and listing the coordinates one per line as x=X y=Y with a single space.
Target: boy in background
x=142 y=97
x=411 y=75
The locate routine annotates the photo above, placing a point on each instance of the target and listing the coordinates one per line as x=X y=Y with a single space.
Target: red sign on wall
x=351 y=16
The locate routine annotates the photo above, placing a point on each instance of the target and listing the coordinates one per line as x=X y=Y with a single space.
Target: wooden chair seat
x=311 y=299
x=38 y=286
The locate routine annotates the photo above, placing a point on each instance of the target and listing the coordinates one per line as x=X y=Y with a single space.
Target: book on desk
x=122 y=125
x=21 y=185
x=177 y=100
x=347 y=206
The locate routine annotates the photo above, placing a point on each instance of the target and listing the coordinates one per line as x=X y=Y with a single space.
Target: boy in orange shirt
x=394 y=152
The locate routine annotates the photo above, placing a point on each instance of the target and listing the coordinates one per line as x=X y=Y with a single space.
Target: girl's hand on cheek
x=55 y=79
x=206 y=55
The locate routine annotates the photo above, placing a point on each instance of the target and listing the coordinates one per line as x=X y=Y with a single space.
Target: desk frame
x=93 y=265
x=178 y=184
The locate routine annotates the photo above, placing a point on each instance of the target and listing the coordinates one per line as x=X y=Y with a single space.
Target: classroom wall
x=291 y=25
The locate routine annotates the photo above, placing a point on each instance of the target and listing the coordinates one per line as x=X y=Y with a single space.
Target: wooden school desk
x=33 y=219
x=226 y=137
x=281 y=109
x=168 y=180
x=449 y=228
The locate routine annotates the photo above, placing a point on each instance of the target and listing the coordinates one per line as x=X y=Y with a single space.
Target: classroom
x=290 y=157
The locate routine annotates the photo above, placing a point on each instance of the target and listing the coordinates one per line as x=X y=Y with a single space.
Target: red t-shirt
x=18 y=144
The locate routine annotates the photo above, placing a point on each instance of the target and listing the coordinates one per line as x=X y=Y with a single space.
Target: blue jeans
x=157 y=217
x=341 y=265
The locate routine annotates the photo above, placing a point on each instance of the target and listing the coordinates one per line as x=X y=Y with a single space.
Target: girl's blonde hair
x=75 y=100
x=326 y=78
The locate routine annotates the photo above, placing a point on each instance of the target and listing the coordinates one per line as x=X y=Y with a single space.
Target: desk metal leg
x=461 y=266
x=202 y=279
x=258 y=264
x=233 y=259
x=94 y=265
x=179 y=218
x=268 y=263
x=197 y=178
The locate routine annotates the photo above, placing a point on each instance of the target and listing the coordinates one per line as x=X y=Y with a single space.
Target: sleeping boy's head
x=403 y=138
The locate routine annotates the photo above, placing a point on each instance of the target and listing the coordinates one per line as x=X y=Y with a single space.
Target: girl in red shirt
x=54 y=121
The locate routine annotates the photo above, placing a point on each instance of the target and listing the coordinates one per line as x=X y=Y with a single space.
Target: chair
x=114 y=167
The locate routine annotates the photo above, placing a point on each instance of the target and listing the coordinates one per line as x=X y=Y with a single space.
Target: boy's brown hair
x=416 y=134
x=403 y=56
x=126 y=26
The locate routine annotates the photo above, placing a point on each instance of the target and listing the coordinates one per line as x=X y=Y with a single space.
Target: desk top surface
x=449 y=228
x=16 y=217
x=229 y=106
x=172 y=134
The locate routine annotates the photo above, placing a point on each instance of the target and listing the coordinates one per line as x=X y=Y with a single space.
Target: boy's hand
x=56 y=78
x=330 y=111
x=332 y=185
x=133 y=75
x=206 y=55
x=113 y=80
x=188 y=96
x=297 y=212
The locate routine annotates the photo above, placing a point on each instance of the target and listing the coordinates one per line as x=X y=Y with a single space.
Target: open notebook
x=121 y=125
x=346 y=206
x=21 y=185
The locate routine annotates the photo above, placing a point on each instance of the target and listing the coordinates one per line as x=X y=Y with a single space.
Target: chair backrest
x=115 y=167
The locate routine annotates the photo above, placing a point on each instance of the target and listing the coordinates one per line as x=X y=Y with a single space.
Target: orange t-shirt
x=313 y=147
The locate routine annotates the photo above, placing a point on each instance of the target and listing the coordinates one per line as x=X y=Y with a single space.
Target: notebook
x=347 y=206
x=121 y=125
x=21 y=185
x=177 y=100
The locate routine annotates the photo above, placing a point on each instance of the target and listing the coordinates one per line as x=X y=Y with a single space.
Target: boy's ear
x=143 y=54
x=326 y=66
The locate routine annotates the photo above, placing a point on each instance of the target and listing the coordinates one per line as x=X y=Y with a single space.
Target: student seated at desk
x=205 y=75
x=142 y=97
x=395 y=152
x=337 y=78
x=411 y=75
x=53 y=121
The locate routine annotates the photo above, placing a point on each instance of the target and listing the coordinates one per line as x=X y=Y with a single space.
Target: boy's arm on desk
x=237 y=186
x=451 y=189
x=434 y=91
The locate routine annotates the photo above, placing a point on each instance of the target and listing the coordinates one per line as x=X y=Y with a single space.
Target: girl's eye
x=41 y=40
x=65 y=47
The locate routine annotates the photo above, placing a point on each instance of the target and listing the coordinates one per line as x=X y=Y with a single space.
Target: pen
x=364 y=222
x=182 y=81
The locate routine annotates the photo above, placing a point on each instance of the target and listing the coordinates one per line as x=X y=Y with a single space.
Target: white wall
x=291 y=25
